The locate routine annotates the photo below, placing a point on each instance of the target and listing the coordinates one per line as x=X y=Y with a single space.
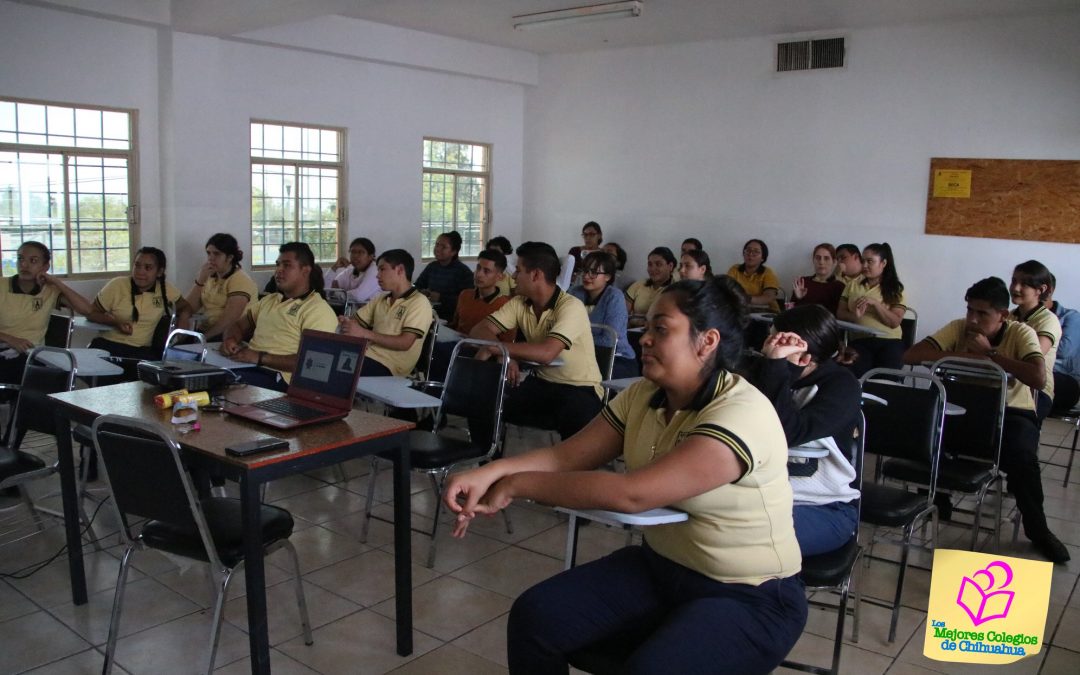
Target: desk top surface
x=219 y=429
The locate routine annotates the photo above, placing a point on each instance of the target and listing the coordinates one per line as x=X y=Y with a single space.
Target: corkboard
x=1032 y=199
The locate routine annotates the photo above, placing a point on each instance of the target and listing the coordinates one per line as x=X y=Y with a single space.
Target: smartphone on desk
x=258 y=445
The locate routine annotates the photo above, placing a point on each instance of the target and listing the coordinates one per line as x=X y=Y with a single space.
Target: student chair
x=909 y=326
x=58 y=332
x=422 y=371
x=149 y=486
x=171 y=353
x=605 y=355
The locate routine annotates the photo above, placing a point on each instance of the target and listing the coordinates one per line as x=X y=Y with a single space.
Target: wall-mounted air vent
x=810 y=54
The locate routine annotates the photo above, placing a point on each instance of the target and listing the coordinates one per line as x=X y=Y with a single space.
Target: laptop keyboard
x=285 y=407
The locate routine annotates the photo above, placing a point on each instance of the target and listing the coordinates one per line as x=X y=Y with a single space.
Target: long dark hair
x=226 y=243
x=159 y=257
x=305 y=256
x=601 y=261
x=1034 y=274
x=816 y=325
x=891 y=288
x=669 y=257
x=716 y=303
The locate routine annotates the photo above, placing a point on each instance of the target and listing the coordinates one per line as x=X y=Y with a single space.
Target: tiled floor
x=460 y=606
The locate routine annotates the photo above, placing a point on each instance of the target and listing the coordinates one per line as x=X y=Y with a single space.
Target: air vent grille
x=810 y=54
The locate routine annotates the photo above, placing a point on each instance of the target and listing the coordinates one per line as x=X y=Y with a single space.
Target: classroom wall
x=705 y=140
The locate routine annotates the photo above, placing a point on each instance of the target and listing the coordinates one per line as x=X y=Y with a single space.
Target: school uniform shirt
x=115 y=298
x=858 y=289
x=411 y=313
x=26 y=315
x=1047 y=325
x=643 y=294
x=472 y=308
x=362 y=286
x=217 y=291
x=565 y=319
x=757 y=283
x=741 y=532
x=1068 y=353
x=1015 y=340
x=279 y=322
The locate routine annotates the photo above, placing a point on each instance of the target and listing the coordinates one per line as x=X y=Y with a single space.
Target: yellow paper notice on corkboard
x=954 y=183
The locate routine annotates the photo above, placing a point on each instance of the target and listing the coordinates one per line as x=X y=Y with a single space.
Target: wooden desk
x=357 y=435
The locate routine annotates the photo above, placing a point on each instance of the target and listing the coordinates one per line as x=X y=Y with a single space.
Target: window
x=296 y=189
x=455 y=195
x=66 y=180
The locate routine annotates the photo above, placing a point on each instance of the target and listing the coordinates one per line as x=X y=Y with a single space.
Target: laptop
x=322 y=386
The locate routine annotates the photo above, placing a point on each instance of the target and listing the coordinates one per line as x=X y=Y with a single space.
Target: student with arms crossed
x=446 y=276
x=719 y=593
x=987 y=333
x=222 y=290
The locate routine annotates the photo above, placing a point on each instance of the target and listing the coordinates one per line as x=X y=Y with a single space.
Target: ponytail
x=891 y=288
x=718 y=303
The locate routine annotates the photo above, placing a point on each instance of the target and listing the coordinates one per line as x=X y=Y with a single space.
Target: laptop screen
x=327 y=366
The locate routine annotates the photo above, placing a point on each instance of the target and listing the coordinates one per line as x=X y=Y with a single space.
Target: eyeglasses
x=752 y=251
x=593 y=273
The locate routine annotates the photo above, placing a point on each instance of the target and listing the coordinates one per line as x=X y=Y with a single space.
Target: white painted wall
x=704 y=140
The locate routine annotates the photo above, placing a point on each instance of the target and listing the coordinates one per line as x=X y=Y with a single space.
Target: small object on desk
x=186 y=414
x=258 y=445
x=199 y=398
x=166 y=400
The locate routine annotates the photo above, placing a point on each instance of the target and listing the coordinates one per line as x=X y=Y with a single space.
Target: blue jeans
x=673 y=619
x=826 y=527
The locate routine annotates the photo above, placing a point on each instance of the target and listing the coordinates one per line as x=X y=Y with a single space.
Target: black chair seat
x=434 y=451
x=16 y=462
x=225 y=522
x=890 y=507
x=83 y=435
x=830 y=569
x=954 y=475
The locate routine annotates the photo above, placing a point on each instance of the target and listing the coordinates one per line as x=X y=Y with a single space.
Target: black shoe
x=1051 y=548
x=944 y=506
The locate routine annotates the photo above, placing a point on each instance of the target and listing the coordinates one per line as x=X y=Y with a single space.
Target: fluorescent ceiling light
x=610 y=10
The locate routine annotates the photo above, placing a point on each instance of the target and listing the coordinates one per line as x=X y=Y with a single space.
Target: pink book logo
x=977 y=593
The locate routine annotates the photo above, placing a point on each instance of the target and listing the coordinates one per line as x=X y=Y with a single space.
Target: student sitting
x=396 y=322
x=694 y=264
x=660 y=266
x=554 y=324
x=690 y=244
x=1030 y=288
x=849 y=263
x=268 y=334
x=622 y=281
x=222 y=290
x=502 y=245
x=606 y=306
x=987 y=333
x=875 y=300
x=822 y=287
x=446 y=276
x=1067 y=365
x=593 y=237
x=817 y=401
x=358 y=275
x=759 y=281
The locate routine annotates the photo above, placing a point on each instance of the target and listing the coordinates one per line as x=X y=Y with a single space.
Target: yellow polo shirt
x=757 y=283
x=565 y=319
x=642 y=295
x=411 y=313
x=115 y=298
x=857 y=289
x=26 y=315
x=280 y=322
x=1047 y=325
x=741 y=532
x=217 y=291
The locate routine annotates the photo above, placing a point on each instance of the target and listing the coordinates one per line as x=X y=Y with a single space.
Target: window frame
x=487 y=175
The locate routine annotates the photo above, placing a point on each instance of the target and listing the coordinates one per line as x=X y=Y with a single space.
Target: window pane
x=454 y=193
x=99 y=203
x=32 y=206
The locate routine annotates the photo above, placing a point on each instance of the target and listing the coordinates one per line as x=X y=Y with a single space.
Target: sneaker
x=1051 y=548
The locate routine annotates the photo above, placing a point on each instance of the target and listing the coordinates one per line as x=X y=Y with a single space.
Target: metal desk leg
x=403 y=550
x=70 y=494
x=254 y=574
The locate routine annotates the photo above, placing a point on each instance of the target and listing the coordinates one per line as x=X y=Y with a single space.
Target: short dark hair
x=850 y=249
x=992 y=290
x=454 y=238
x=596 y=226
x=364 y=243
x=398 y=256
x=42 y=248
x=227 y=244
x=501 y=243
x=538 y=255
x=816 y=325
x=305 y=256
x=1034 y=274
x=718 y=303
x=620 y=255
x=695 y=241
x=600 y=261
x=494 y=256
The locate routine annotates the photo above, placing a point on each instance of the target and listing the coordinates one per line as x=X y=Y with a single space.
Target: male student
x=848 y=262
x=395 y=322
x=272 y=326
x=987 y=333
x=554 y=324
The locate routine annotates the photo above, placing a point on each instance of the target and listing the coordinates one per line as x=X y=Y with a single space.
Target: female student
x=759 y=281
x=623 y=280
x=695 y=264
x=1031 y=285
x=660 y=267
x=593 y=237
x=222 y=290
x=817 y=401
x=359 y=274
x=875 y=300
x=445 y=277
x=605 y=305
x=718 y=593
x=822 y=287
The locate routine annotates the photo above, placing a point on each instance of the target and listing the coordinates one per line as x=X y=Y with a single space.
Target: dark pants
x=625 y=367
x=665 y=618
x=130 y=355
x=876 y=353
x=1020 y=463
x=11 y=370
x=821 y=528
x=372 y=368
x=1066 y=393
x=546 y=405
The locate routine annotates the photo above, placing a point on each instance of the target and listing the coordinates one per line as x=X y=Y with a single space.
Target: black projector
x=190 y=375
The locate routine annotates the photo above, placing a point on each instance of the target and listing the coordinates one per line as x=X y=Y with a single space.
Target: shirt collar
x=488 y=299
x=704 y=395
x=297 y=297
x=551 y=303
x=17 y=289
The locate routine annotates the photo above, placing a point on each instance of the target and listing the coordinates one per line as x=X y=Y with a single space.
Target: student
x=268 y=334
x=605 y=305
x=875 y=300
x=848 y=263
x=821 y=288
x=446 y=276
x=987 y=333
x=695 y=264
x=358 y=275
x=593 y=237
x=759 y=281
x=660 y=266
x=222 y=290
x=553 y=324
x=502 y=245
x=690 y=244
x=818 y=403
x=719 y=593
x=396 y=322
x=622 y=281
x=1067 y=364
x=27 y=298
x=1030 y=288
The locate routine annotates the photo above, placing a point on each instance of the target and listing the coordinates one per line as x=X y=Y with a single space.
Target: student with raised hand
x=848 y=263
x=695 y=436
x=221 y=290
x=695 y=264
x=987 y=333
x=875 y=300
x=759 y=281
x=605 y=305
x=446 y=276
x=395 y=323
x=1067 y=364
x=268 y=333
x=593 y=237
x=622 y=281
x=818 y=403
x=359 y=274
x=660 y=266
x=27 y=298
x=1030 y=287
x=822 y=287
